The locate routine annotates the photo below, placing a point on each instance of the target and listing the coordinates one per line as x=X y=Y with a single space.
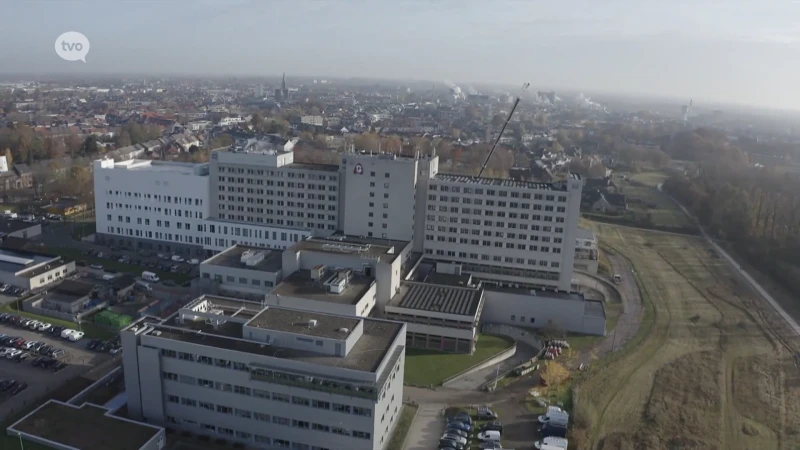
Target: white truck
x=150 y=276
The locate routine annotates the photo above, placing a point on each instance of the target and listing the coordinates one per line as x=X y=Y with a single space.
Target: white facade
x=503 y=230
x=586 y=251
x=151 y=204
x=317 y=121
x=336 y=384
x=266 y=188
x=221 y=234
x=228 y=121
x=380 y=194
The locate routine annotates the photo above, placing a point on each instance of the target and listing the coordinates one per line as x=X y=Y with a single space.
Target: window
x=280 y=398
x=320 y=404
x=300 y=401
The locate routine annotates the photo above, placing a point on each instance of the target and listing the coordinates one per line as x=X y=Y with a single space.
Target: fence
x=33 y=306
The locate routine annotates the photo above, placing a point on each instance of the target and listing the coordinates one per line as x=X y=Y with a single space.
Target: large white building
x=152 y=205
x=267 y=377
x=512 y=232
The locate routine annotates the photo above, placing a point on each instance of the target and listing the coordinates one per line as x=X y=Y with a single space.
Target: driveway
x=474 y=380
x=427 y=428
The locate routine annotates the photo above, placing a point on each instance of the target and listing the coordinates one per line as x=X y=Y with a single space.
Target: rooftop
x=178 y=168
x=232 y=257
x=546 y=293
x=297 y=322
x=11 y=226
x=466 y=179
x=594 y=308
x=268 y=144
x=460 y=301
x=18 y=260
x=384 y=250
x=300 y=284
x=366 y=355
x=324 y=167
x=582 y=233
x=86 y=428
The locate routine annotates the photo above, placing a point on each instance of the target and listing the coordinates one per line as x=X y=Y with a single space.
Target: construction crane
x=499 y=135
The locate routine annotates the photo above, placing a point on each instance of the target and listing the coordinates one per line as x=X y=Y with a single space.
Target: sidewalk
x=427 y=427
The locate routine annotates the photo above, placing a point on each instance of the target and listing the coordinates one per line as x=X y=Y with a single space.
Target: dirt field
x=713 y=369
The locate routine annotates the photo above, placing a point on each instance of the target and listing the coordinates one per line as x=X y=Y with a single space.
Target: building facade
x=512 y=232
x=267 y=377
x=152 y=205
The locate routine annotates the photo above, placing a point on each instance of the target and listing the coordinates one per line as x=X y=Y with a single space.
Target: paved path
x=775 y=305
x=427 y=427
x=474 y=380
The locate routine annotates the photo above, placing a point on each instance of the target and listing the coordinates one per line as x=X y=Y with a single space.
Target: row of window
x=497 y=244
x=276 y=173
x=159 y=223
x=244 y=390
x=158 y=197
x=279 y=222
x=490 y=233
x=499 y=193
x=241 y=280
x=496 y=258
x=157 y=235
x=491 y=213
x=157 y=209
x=431 y=218
x=259 y=439
x=280 y=212
x=299 y=186
x=277 y=420
x=500 y=204
x=288 y=184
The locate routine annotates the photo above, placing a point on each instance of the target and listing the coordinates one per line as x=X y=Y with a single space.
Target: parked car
x=449 y=443
x=44 y=327
x=7 y=384
x=454 y=437
x=193 y=261
x=177 y=258
x=497 y=426
x=459 y=425
x=67 y=332
x=491 y=435
x=57 y=367
x=97 y=266
x=552 y=442
x=486 y=413
x=21 y=357
x=19 y=388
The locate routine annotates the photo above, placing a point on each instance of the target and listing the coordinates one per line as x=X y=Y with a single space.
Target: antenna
x=499 y=135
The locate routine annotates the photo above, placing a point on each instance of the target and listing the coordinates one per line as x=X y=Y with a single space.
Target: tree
x=124 y=139
x=366 y=141
x=9 y=158
x=554 y=373
x=89 y=146
x=74 y=143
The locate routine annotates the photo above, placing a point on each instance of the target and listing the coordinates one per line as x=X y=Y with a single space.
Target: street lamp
x=21 y=447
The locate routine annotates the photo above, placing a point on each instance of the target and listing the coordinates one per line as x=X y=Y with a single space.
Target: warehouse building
x=267 y=377
x=30 y=270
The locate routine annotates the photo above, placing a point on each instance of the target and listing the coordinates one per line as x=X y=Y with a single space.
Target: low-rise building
x=242 y=270
x=317 y=121
x=30 y=270
x=64 y=426
x=69 y=297
x=19 y=229
x=327 y=290
x=267 y=377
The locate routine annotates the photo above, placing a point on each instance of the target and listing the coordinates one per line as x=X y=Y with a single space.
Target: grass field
x=428 y=367
x=712 y=368
x=401 y=429
x=665 y=212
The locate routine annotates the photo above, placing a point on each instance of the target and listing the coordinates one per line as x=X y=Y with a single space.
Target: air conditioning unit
x=312 y=323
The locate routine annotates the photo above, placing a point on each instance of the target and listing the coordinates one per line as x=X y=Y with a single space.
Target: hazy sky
x=728 y=50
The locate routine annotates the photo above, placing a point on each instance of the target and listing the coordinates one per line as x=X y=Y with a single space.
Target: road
x=474 y=380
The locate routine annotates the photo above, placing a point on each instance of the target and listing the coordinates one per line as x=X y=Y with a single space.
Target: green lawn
x=665 y=213
x=78 y=255
x=428 y=367
x=401 y=429
x=91 y=330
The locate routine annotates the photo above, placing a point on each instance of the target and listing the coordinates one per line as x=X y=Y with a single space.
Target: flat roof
x=11 y=226
x=300 y=284
x=582 y=233
x=467 y=179
x=462 y=301
x=18 y=260
x=309 y=166
x=366 y=355
x=449 y=279
x=546 y=293
x=147 y=165
x=232 y=258
x=297 y=321
x=594 y=308
x=88 y=427
x=368 y=247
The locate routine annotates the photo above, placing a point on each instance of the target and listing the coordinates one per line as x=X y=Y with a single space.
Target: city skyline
x=684 y=50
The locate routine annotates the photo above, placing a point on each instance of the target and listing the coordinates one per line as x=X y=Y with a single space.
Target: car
x=36 y=362
x=29 y=345
x=57 y=367
x=67 y=332
x=459 y=425
x=34 y=325
x=177 y=258
x=163 y=256
x=193 y=261
x=21 y=357
x=19 y=388
x=491 y=436
x=497 y=426
x=56 y=330
x=93 y=344
x=457 y=432
x=490 y=445
x=56 y=353
x=44 y=327
x=460 y=439
x=47 y=363
x=76 y=336
x=445 y=443
x=97 y=266
x=485 y=413
x=553 y=415
x=12 y=353
x=102 y=346
x=552 y=442
x=7 y=384
x=115 y=350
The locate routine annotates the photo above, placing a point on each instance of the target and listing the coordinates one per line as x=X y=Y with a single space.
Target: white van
x=150 y=276
x=617 y=278
x=108 y=277
x=489 y=436
x=551 y=443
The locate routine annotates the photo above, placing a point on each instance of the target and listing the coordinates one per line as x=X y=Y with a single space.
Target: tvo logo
x=72 y=46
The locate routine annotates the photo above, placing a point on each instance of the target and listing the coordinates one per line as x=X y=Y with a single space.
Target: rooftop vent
x=312 y=323
x=343 y=330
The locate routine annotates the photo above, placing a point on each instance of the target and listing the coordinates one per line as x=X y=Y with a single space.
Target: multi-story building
x=153 y=205
x=256 y=182
x=317 y=121
x=586 y=251
x=241 y=271
x=267 y=377
x=381 y=193
x=512 y=232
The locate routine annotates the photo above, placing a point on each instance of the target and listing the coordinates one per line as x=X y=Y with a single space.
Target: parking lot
x=41 y=381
